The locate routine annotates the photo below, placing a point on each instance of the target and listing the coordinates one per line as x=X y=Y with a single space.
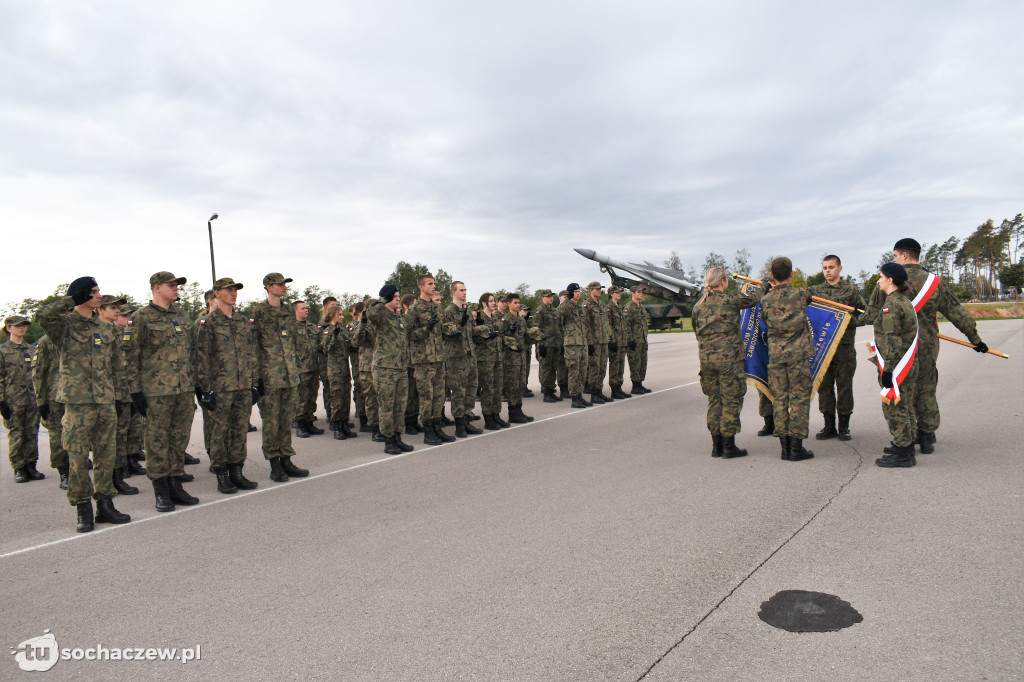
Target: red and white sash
x=899 y=373
x=925 y=295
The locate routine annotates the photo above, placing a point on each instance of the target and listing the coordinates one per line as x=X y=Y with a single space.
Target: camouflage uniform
x=91 y=374
x=278 y=364
x=321 y=371
x=426 y=351
x=515 y=353
x=458 y=329
x=636 y=322
x=598 y=333
x=45 y=367
x=575 y=340
x=716 y=324
x=549 y=349
x=390 y=365
x=354 y=372
x=896 y=325
x=17 y=391
x=307 y=345
x=490 y=375
x=838 y=378
x=365 y=339
x=617 y=357
x=226 y=362
x=336 y=345
x=124 y=414
x=790 y=348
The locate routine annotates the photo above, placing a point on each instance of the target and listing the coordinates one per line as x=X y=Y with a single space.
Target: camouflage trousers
x=461 y=381
x=838 y=379
x=526 y=368
x=357 y=386
x=392 y=393
x=597 y=366
x=490 y=377
x=616 y=365
x=168 y=427
x=925 y=404
x=764 y=405
x=229 y=427
x=412 y=396
x=900 y=416
x=277 y=410
x=638 y=362
x=55 y=431
x=513 y=361
x=322 y=376
x=309 y=387
x=370 y=408
x=339 y=397
x=791 y=384
x=430 y=386
x=23 y=435
x=576 y=368
x=90 y=427
x=206 y=427
x=725 y=385
x=552 y=368
x=124 y=422
x=136 y=432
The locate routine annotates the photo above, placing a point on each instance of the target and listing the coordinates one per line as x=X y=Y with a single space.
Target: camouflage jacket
x=16 y=374
x=91 y=369
x=425 y=344
x=895 y=328
x=616 y=324
x=514 y=336
x=637 y=320
x=125 y=394
x=307 y=345
x=488 y=335
x=458 y=336
x=226 y=353
x=598 y=328
x=391 y=347
x=716 y=324
x=546 y=320
x=335 y=343
x=45 y=367
x=277 y=358
x=353 y=349
x=784 y=311
x=159 y=351
x=574 y=324
x=847 y=294
x=365 y=340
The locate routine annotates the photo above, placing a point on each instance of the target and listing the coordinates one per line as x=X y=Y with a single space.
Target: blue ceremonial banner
x=827 y=322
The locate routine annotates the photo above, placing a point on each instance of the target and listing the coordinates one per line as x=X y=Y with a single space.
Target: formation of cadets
x=903 y=314
x=123 y=385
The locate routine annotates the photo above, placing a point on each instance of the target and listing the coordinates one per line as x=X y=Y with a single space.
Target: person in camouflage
x=716 y=324
x=766 y=411
x=91 y=374
x=637 y=321
x=18 y=403
x=458 y=327
x=576 y=344
x=356 y=310
x=307 y=347
x=549 y=348
x=930 y=296
x=335 y=346
x=109 y=311
x=321 y=359
x=838 y=378
x=45 y=369
x=390 y=366
x=896 y=331
x=278 y=366
x=598 y=335
x=515 y=354
x=137 y=423
x=490 y=375
x=616 y=343
x=790 y=348
x=227 y=380
x=366 y=340
x=211 y=305
x=426 y=351
x=412 y=404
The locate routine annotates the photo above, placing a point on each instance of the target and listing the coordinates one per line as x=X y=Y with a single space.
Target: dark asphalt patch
x=803 y=611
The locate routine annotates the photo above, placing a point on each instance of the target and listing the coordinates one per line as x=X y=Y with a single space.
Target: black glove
x=767 y=286
x=199 y=395
x=255 y=395
x=80 y=290
x=209 y=400
x=542 y=351
x=44 y=411
x=261 y=387
x=887 y=379
x=5 y=410
x=632 y=345
x=432 y=322
x=613 y=347
x=981 y=347
x=465 y=317
x=139 y=401
x=590 y=349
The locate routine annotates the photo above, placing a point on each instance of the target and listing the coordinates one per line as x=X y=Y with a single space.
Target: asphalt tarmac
x=603 y=543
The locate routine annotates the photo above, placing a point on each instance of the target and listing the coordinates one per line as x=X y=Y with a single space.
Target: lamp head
x=213 y=217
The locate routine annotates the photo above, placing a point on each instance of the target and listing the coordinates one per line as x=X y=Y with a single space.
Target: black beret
x=895 y=271
x=907 y=244
x=572 y=287
x=388 y=291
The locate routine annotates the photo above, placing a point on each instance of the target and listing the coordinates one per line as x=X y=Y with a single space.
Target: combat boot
x=606 y=398
x=577 y=401
x=490 y=424
x=178 y=494
x=339 y=434
x=563 y=393
x=364 y=424
x=784 y=442
x=444 y=420
x=250 y=428
x=416 y=424
x=470 y=429
x=405 y=447
x=240 y=481
x=769 y=427
x=429 y=436
x=332 y=426
x=638 y=388
x=120 y=486
x=301 y=431
x=844 y=427
x=34 y=474
x=890 y=449
x=224 y=483
x=472 y=417
x=347 y=430
x=729 y=449
x=549 y=396
x=292 y=470
x=391 y=447
x=926 y=441
x=134 y=467
x=797 y=452
x=85 y=519
x=902 y=457
x=716 y=446
x=645 y=389
x=21 y=476
x=596 y=398
x=516 y=416
x=64 y=471
x=162 y=492
x=439 y=432
x=830 y=428
x=313 y=428
x=460 y=427
x=377 y=436
x=187 y=478
x=277 y=473
x=501 y=422
x=619 y=394
x=189 y=459
x=106 y=513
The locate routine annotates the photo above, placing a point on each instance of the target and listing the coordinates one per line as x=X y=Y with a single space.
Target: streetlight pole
x=213 y=266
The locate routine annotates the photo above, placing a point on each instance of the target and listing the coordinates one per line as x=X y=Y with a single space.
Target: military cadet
x=515 y=354
x=18 y=403
x=930 y=295
x=575 y=343
x=895 y=341
x=527 y=344
x=159 y=354
x=366 y=340
x=445 y=421
x=458 y=327
x=390 y=365
x=109 y=311
x=598 y=334
x=227 y=375
x=838 y=379
x=488 y=361
x=357 y=387
x=616 y=343
x=211 y=305
x=91 y=374
x=335 y=346
x=136 y=423
x=502 y=303
x=766 y=411
x=45 y=369
x=412 y=405
x=279 y=366
x=637 y=320
x=426 y=352
x=716 y=324
x=307 y=347
x=790 y=348
x=549 y=349
x=321 y=359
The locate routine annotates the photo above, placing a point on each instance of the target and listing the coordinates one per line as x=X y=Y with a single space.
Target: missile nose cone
x=586 y=253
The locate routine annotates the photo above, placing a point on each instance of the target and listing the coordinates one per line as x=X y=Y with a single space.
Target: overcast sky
x=489 y=139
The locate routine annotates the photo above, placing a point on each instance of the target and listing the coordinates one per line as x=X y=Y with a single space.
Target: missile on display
x=665 y=283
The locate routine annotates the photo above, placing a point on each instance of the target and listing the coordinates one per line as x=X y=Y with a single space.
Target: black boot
x=162 y=491
x=405 y=447
x=926 y=441
x=239 y=480
x=844 y=427
x=784 y=442
x=460 y=427
x=619 y=394
x=301 y=430
x=729 y=449
x=364 y=425
x=21 y=476
x=797 y=452
x=376 y=435
x=890 y=449
x=769 y=427
x=716 y=446
x=638 y=388
x=439 y=432
x=224 y=484
x=902 y=457
x=490 y=424
x=444 y=420
x=85 y=520
x=120 y=486
x=645 y=389
x=830 y=428
x=501 y=422
x=277 y=473
x=470 y=429
x=106 y=513
x=33 y=474
x=520 y=417
x=563 y=393
x=63 y=470
x=410 y=430
x=430 y=437
x=391 y=447
x=577 y=401
x=179 y=494
x=134 y=465
x=606 y=398
x=549 y=396
x=596 y=398
x=251 y=428
x=187 y=478
x=339 y=434
x=189 y=459
x=332 y=426
x=313 y=428
x=347 y=430
x=292 y=470
x=472 y=417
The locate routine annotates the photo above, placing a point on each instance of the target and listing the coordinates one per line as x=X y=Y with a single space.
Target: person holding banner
x=895 y=344
x=716 y=324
